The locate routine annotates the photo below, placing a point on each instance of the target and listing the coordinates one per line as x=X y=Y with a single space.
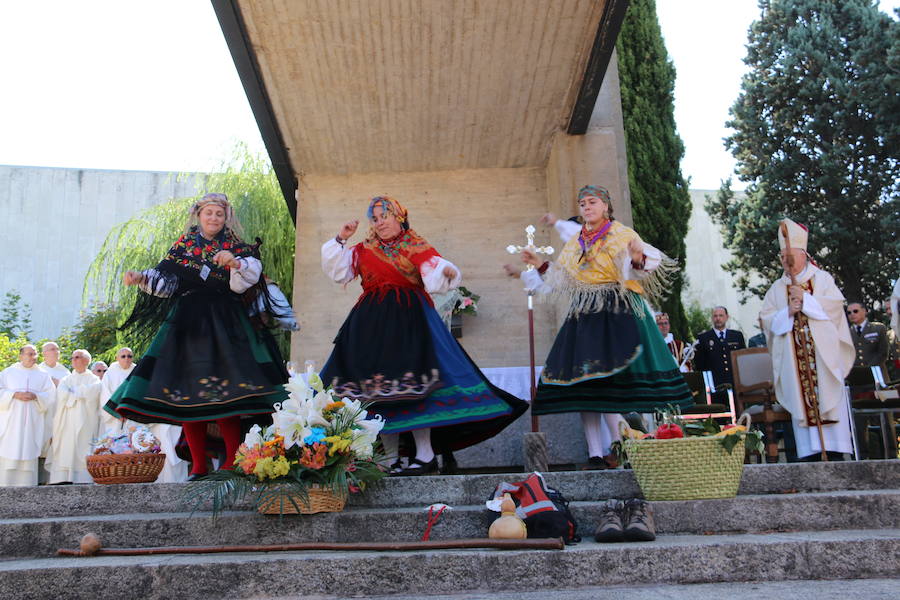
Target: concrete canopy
x=344 y=87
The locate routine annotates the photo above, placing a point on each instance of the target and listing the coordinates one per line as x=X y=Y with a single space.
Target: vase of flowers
x=467 y=304
x=319 y=449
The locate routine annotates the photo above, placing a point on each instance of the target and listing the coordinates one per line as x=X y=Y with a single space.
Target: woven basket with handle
x=689 y=468
x=125 y=468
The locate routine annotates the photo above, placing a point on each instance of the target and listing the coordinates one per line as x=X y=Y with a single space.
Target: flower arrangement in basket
x=689 y=460
x=128 y=456
x=467 y=304
x=318 y=449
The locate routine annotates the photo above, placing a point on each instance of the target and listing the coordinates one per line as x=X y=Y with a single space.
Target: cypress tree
x=660 y=200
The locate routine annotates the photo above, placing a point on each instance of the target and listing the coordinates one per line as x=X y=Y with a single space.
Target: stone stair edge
x=764 y=514
x=457 y=489
x=410 y=509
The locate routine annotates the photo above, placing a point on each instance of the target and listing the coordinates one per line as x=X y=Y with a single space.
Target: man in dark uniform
x=714 y=350
x=869 y=339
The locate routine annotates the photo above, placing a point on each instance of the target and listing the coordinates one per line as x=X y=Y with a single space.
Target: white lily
x=298 y=389
x=366 y=436
x=291 y=425
x=253 y=437
x=315 y=382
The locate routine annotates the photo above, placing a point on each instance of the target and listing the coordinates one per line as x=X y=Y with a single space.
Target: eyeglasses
x=126 y=356
x=854 y=311
x=101 y=370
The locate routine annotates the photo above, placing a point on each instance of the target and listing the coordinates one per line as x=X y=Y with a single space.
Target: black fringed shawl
x=188 y=267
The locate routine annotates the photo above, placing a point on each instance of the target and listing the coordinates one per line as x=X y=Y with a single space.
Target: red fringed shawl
x=385 y=266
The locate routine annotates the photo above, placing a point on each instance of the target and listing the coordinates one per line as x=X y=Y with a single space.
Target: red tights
x=195 y=434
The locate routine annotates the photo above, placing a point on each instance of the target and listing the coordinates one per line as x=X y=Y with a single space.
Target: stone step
x=671 y=559
x=870 y=589
x=41 y=537
x=78 y=500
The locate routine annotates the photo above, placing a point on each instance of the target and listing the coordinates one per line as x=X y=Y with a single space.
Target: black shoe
x=196 y=476
x=448 y=464
x=396 y=468
x=424 y=468
x=610 y=528
x=639 y=524
x=595 y=463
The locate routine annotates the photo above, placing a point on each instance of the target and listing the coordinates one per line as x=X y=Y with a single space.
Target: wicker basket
x=320 y=500
x=690 y=468
x=125 y=468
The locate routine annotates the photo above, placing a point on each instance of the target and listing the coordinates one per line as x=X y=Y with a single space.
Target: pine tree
x=817 y=139
x=660 y=200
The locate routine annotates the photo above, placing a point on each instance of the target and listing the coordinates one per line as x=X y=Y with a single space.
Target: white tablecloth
x=513 y=380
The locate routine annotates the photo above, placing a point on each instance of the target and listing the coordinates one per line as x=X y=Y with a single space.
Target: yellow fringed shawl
x=589 y=282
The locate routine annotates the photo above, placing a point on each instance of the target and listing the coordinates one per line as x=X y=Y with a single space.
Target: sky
x=107 y=84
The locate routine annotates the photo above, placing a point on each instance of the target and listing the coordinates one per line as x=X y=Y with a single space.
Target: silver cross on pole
x=535 y=442
x=529 y=236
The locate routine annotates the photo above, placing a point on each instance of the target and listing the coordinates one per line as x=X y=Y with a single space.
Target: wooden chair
x=754 y=393
x=700 y=386
x=872 y=396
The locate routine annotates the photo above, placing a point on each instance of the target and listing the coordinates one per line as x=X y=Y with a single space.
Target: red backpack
x=545 y=511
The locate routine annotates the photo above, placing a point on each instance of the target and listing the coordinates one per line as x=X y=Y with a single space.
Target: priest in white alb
x=55 y=369
x=26 y=392
x=74 y=424
x=51 y=365
x=115 y=375
x=808 y=336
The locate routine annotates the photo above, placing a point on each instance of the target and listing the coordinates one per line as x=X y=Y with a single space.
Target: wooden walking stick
x=789 y=261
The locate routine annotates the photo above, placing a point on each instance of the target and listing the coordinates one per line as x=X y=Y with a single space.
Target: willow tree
x=143 y=240
x=660 y=201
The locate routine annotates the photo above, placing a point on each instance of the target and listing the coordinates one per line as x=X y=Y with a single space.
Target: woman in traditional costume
x=207 y=361
x=394 y=351
x=609 y=357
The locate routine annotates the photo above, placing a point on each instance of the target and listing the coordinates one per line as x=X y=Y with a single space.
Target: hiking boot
x=610 y=528
x=639 y=525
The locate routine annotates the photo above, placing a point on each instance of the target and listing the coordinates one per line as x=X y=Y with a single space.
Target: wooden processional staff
x=548 y=250
x=789 y=261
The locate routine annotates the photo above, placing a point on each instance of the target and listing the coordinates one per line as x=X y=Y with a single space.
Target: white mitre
x=797 y=234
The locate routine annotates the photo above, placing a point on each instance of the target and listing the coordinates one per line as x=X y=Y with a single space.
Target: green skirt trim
x=651 y=381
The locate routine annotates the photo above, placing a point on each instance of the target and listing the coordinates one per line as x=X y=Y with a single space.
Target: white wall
x=54 y=222
x=709 y=284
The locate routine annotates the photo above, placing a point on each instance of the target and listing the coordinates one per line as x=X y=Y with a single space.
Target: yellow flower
x=337 y=443
x=271 y=468
x=332 y=406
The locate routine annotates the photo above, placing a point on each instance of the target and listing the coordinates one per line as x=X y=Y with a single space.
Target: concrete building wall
x=708 y=283
x=54 y=222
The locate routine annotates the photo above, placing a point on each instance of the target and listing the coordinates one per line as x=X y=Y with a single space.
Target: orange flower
x=332 y=406
x=314 y=458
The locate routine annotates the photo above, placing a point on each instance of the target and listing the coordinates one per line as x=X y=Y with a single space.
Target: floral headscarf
x=388 y=205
